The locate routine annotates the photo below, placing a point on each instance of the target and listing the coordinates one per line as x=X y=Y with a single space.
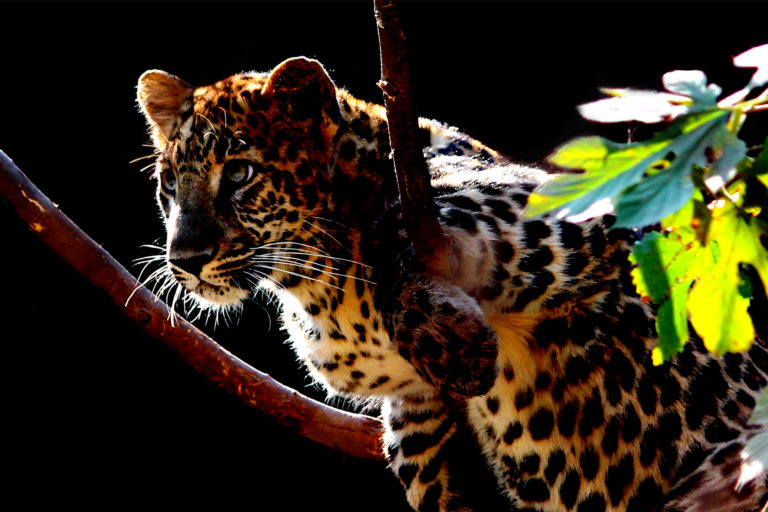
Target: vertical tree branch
x=416 y=193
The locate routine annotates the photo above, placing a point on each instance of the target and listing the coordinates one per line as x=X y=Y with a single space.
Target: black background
x=97 y=415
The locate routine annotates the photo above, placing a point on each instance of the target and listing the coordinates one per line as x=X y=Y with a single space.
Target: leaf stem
x=755 y=103
x=736 y=121
x=756 y=108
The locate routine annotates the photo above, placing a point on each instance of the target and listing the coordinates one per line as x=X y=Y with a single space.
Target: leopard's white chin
x=220 y=295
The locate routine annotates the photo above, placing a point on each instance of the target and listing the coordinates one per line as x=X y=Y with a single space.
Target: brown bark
x=353 y=434
x=413 y=181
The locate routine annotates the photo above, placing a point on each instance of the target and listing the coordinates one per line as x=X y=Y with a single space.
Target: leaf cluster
x=697 y=181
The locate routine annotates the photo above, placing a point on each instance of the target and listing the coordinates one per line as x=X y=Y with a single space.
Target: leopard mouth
x=222 y=295
x=218 y=287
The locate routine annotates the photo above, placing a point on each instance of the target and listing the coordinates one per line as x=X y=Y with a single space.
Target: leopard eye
x=168 y=181
x=238 y=172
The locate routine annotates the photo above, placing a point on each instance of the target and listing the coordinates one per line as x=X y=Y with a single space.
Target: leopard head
x=243 y=165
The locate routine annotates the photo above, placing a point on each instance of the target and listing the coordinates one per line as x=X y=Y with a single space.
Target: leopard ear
x=307 y=86
x=163 y=97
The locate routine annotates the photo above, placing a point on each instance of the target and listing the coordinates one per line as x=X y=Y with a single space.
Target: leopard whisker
x=163 y=286
x=303 y=253
x=225 y=117
x=291 y=244
x=261 y=276
x=147 y=167
x=153 y=276
x=255 y=281
x=172 y=306
x=162 y=281
x=154 y=257
x=299 y=266
x=306 y=253
x=326 y=233
x=301 y=276
x=256 y=288
x=192 y=304
x=293 y=261
x=210 y=132
x=325 y=219
x=313 y=237
x=151 y=246
x=138 y=159
x=309 y=266
x=166 y=286
x=296 y=246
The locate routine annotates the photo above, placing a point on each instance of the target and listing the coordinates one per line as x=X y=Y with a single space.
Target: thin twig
x=756 y=108
x=353 y=434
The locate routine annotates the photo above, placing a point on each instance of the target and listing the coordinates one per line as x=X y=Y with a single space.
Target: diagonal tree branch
x=353 y=434
x=413 y=180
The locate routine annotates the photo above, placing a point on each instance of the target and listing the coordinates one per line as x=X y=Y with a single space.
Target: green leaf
x=732 y=151
x=666 y=266
x=654 y=198
x=610 y=168
x=691 y=222
x=635 y=105
x=718 y=310
x=671 y=326
x=652 y=255
x=756 y=57
x=691 y=94
x=694 y=85
x=683 y=218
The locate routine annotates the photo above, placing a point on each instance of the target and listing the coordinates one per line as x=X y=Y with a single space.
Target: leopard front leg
x=442 y=331
x=435 y=455
x=417 y=430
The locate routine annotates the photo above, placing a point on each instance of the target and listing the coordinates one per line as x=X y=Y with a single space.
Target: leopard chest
x=341 y=339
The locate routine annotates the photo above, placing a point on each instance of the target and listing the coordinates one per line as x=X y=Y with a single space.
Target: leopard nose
x=191 y=264
x=193 y=242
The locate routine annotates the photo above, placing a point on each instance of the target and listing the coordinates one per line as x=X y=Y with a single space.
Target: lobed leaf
x=732 y=151
x=756 y=57
x=610 y=168
x=719 y=312
x=692 y=84
x=717 y=307
x=635 y=105
x=667 y=264
x=689 y=93
x=654 y=198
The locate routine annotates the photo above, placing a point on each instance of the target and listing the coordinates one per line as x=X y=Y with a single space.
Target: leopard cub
x=521 y=381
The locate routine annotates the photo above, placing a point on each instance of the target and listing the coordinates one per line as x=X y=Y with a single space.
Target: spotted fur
x=522 y=382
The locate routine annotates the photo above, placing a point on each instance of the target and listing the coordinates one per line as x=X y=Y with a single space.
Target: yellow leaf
x=719 y=313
